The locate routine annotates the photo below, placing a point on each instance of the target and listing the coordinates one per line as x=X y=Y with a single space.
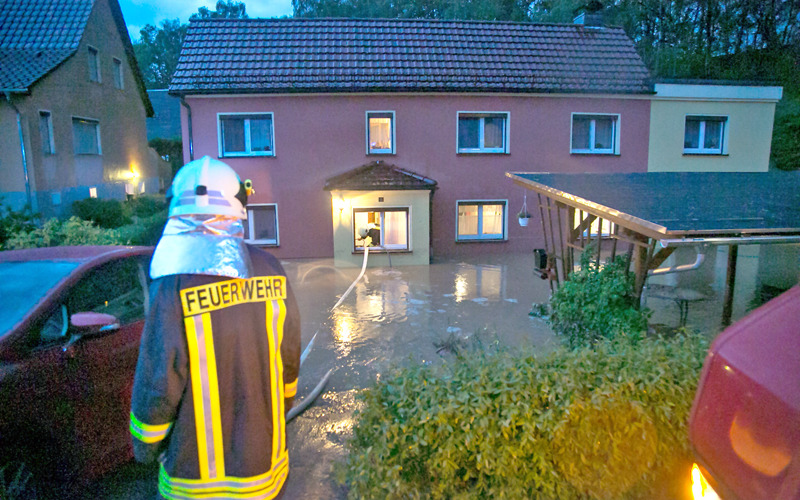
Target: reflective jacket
x=217 y=371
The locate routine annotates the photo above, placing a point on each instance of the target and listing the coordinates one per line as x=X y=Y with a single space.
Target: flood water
x=394 y=316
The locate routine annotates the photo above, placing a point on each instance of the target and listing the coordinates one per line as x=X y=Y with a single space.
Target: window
x=705 y=135
x=94 y=65
x=388 y=228
x=46 y=132
x=261 y=225
x=85 y=136
x=595 y=134
x=481 y=220
x=246 y=135
x=380 y=132
x=482 y=132
x=118 y=82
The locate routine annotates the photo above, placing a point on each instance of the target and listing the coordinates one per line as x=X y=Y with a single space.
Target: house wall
x=67 y=92
x=319 y=136
x=750 y=112
x=418 y=205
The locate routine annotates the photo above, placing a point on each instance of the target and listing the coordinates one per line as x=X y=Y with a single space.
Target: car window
x=113 y=288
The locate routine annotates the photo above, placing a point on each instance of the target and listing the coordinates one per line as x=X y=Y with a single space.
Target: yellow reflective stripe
x=270 y=306
x=290 y=389
x=197 y=396
x=281 y=423
x=148 y=433
x=264 y=486
x=213 y=389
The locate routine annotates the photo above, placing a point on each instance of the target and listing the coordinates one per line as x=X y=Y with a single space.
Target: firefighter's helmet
x=208 y=187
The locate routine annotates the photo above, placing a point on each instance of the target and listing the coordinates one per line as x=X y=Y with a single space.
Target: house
x=72 y=116
x=404 y=129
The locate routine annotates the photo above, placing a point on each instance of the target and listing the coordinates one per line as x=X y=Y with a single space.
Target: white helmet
x=208 y=186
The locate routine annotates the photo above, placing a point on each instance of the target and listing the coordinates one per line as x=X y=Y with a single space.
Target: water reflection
x=479 y=283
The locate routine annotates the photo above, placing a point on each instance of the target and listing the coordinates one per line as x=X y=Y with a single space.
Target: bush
x=146 y=230
x=596 y=302
x=786 y=142
x=73 y=231
x=106 y=213
x=146 y=206
x=13 y=222
x=597 y=422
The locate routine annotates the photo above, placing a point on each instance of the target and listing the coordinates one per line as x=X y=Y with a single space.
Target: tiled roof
x=36 y=36
x=378 y=175
x=393 y=55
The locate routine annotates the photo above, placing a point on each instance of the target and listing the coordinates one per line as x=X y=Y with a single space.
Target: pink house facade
x=450 y=107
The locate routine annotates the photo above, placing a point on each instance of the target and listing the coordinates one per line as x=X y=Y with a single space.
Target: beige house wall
x=418 y=205
x=67 y=92
x=750 y=113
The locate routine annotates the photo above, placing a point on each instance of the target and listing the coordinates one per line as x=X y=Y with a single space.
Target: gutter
x=701 y=257
x=22 y=150
x=189 y=122
x=744 y=240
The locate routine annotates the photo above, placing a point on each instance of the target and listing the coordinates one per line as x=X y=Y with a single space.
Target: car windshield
x=24 y=284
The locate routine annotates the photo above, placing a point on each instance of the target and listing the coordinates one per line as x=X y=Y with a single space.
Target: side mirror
x=89 y=324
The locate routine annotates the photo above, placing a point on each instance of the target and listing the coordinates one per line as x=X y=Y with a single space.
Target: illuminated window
x=380 y=132
x=261 y=226
x=246 y=135
x=481 y=220
x=482 y=132
x=705 y=135
x=46 y=132
x=595 y=134
x=388 y=228
x=94 y=65
x=92 y=192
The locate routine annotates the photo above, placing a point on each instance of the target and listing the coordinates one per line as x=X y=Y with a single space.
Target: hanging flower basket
x=524 y=219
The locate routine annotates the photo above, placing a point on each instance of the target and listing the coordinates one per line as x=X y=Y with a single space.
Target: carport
x=652 y=214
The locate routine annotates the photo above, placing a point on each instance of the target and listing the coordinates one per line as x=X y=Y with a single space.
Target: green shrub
x=145 y=231
x=106 y=213
x=599 y=422
x=13 y=222
x=786 y=142
x=73 y=231
x=596 y=302
x=146 y=206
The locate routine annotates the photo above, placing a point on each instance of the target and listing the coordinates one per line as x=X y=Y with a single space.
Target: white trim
x=94 y=52
x=702 y=119
x=373 y=208
x=87 y=119
x=667 y=91
x=647 y=96
x=389 y=151
x=116 y=67
x=247 y=139
x=489 y=201
x=615 y=149
x=50 y=133
x=506 y=149
x=250 y=223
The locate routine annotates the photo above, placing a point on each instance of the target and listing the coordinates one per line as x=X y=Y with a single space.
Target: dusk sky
x=140 y=12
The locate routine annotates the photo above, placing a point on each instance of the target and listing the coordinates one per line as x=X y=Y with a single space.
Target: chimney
x=591 y=14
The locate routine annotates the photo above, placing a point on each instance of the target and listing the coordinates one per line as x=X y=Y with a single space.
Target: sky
x=137 y=13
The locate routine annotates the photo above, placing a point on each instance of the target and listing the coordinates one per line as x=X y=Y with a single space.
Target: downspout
x=189 y=123
x=24 y=153
x=701 y=257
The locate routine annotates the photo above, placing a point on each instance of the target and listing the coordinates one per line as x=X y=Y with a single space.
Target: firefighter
x=220 y=352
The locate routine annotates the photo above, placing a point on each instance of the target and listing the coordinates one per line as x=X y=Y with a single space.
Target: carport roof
x=377 y=176
x=665 y=205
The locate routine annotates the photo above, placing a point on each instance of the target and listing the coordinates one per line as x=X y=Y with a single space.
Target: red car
x=745 y=423
x=70 y=327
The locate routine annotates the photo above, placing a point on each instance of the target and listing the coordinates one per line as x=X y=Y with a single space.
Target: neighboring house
x=166 y=120
x=711 y=127
x=72 y=117
x=406 y=127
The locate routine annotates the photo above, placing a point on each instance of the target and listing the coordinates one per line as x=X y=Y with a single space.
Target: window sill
x=593 y=153
x=245 y=155
x=262 y=243
x=380 y=251
x=685 y=153
x=482 y=152
x=380 y=153
x=483 y=240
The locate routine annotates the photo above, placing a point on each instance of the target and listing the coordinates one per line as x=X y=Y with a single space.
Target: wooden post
x=730 y=283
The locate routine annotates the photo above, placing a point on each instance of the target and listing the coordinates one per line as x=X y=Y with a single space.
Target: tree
x=158 y=48
x=489 y=10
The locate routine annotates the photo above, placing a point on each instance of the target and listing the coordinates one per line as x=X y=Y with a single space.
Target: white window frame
x=94 y=55
x=480 y=236
x=119 y=81
x=97 y=129
x=376 y=151
x=48 y=116
x=250 y=227
x=247 y=144
x=392 y=248
x=615 y=140
x=506 y=115
x=701 y=150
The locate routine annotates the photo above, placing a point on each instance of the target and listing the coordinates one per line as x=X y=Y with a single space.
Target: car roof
x=72 y=253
